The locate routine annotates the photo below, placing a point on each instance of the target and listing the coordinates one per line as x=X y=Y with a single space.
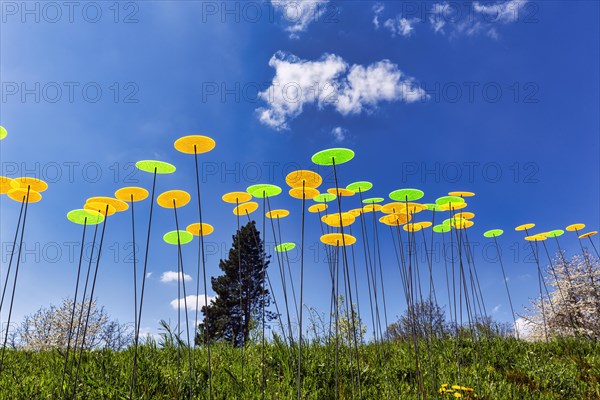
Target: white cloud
x=504 y=12
x=400 y=26
x=299 y=14
x=191 y=302
x=496 y=308
x=340 y=134
x=148 y=275
x=377 y=10
x=330 y=81
x=523 y=327
x=172 y=276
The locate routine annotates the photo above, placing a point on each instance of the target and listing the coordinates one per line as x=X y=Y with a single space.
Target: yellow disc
x=462 y=224
x=310 y=179
x=535 y=238
x=195 y=230
x=575 y=227
x=173 y=199
x=341 y=192
x=372 y=207
x=316 y=208
x=393 y=208
x=424 y=224
x=246 y=208
x=100 y=208
x=6 y=184
x=131 y=193
x=464 y=215
x=197 y=144
x=453 y=206
x=34 y=183
x=20 y=195
x=119 y=205
x=338 y=239
x=524 y=227
x=277 y=214
x=592 y=233
x=355 y=211
x=309 y=193
x=236 y=197
x=412 y=227
x=395 y=219
x=461 y=194
x=334 y=219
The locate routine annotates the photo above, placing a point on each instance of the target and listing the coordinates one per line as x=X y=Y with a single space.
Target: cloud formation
x=172 y=276
x=299 y=14
x=191 y=300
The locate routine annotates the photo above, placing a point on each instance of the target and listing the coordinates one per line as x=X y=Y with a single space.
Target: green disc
x=433 y=207
x=324 y=198
x=361 y=186
x=441 y=228
x=263 y=190
x=449 y=199
x=3 y=132
x=493 y=233
x=160 y=166
x=373 y=200
x=283 y=247
x=406 y=194
x=184 y=237
x=555 y=233
x=327 y=157
x=79 y=217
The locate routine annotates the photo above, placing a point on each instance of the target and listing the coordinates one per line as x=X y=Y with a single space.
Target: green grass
x=497 y=369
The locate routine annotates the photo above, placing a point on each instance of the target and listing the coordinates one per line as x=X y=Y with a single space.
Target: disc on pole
x=173 y=199
x=246 y=208
x=372 y=207
x=575 y=227
x=406 y=194
x=556 y=233
x=412 y=227
x=465 y=215
x=85 y=217
x=316 y=208
x=7 y=184
x=309 y=193
x=20 y=195
x=441 y=228
x=524 y=227
x=535 y=238
x=150 y=166
x=423 y=224
x=100 y=208
x=434 y=207
x=34 y=183
x=493 y=233
x=283 y=247
x=589 y=234
x=236 y=197
x=461 y=194
x=194 y=144
x=277 y=213
x=263 y=190
x=341 y=192
x=338 y=239
x=131 y=193
x=334 y=219
x=198 y=229
x=453 y=206
x=118 y=205
x=309 y=178
x=172 y=237
x=395 y=219
x=324 y=198
x=356 y=211
x=449 y=200
x=360 y=187
x=329 y=156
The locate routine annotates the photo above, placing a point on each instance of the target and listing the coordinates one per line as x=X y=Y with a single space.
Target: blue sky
x=496 y=98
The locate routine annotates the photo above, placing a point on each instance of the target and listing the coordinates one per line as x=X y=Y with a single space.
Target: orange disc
x=355 y=211
x=462 y=224
x=20 y=195
x=310 y=179
x=100 y=207
x=461 y=194
x=334 y=219
x=173 y=199
x=246 y=208
x=411 y=227
x=195 y=230
x=316 y=208
x=524 y=227
x=6 y=184
x=395 y=219
x=535 y=238
x=341 y=192
x=277 y=214
x=592 y=233
x=453 y=206
x=236 y=197
x=372 y=207
x=131 y=193
x=338 y=239
x=309 y=193
x=36 y=184
x=194 y=144
x=575 y=227
x=424 y=224
x=119 y=205
x=464 y=215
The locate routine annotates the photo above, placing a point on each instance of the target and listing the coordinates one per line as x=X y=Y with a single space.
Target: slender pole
x=135 y=321
x=12 y=253
x=299 y=372
x=512 y=310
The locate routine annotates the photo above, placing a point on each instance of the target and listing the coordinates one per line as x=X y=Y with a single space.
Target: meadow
x=496 y=368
